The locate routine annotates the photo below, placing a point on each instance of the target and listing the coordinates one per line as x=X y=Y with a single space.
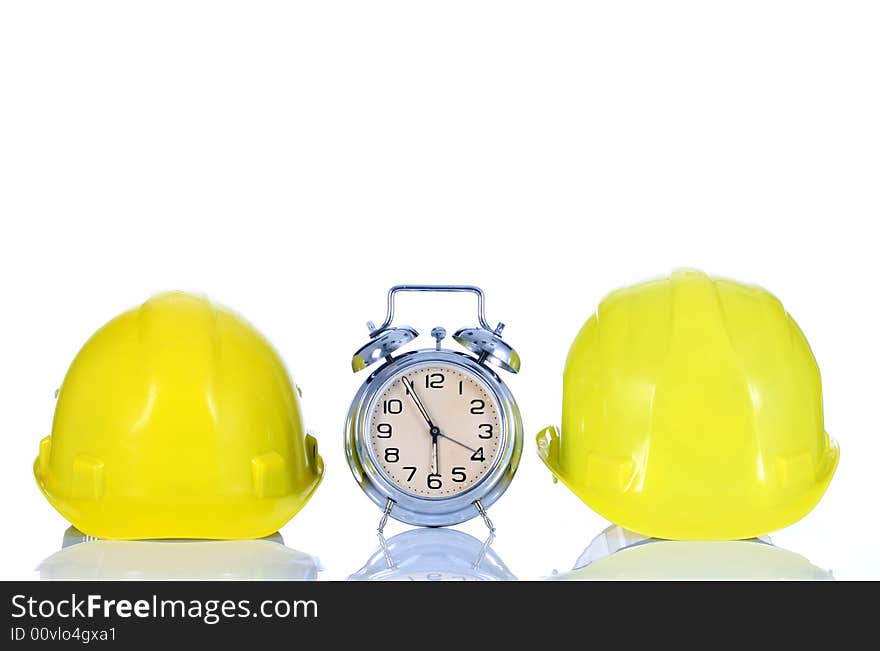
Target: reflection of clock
x=434 y=555
x=434 y=436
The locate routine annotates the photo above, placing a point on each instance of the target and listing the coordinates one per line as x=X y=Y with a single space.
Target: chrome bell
x=381 y=346
x=489 y=347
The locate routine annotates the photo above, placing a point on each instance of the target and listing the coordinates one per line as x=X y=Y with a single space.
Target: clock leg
x=385 y=513
x=482 y=511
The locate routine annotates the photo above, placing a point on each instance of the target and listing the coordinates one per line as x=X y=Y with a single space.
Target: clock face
x=435 y=430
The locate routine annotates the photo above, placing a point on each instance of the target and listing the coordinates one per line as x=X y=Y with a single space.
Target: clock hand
x=412 y=392
x=457 y=442
x=434 y=431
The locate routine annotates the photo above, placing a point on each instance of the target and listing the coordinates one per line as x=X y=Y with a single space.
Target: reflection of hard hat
x=145 y=560
x=692 y=409
x=619 y=555
x=178 y=420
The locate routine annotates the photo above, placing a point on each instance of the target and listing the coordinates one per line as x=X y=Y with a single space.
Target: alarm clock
x=434 y=436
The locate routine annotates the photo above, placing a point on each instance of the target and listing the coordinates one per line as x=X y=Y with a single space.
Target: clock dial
x=435 y=430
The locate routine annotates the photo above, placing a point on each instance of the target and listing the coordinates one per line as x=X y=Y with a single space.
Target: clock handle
x=389 y=314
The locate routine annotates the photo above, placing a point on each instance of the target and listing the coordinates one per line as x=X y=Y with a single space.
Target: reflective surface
x=434 y=555
x=620 y=555
x=82 y=558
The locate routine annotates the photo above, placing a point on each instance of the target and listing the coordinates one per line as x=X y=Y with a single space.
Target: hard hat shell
x=177 y=419
x=692 y=409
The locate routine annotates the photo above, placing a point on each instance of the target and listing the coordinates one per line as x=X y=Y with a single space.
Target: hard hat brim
x=678 y=522
x=230 y=519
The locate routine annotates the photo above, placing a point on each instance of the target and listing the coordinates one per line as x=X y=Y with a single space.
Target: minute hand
x=412 y=392
x=457 y=442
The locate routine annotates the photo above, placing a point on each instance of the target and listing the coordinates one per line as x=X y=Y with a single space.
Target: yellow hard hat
x=178 y=420
x=692 y=409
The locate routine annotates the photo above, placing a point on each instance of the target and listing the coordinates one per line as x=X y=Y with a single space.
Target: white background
x=295 y=161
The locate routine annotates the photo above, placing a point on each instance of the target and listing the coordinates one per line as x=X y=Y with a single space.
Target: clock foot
x=482 y=511
x=385 y=513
